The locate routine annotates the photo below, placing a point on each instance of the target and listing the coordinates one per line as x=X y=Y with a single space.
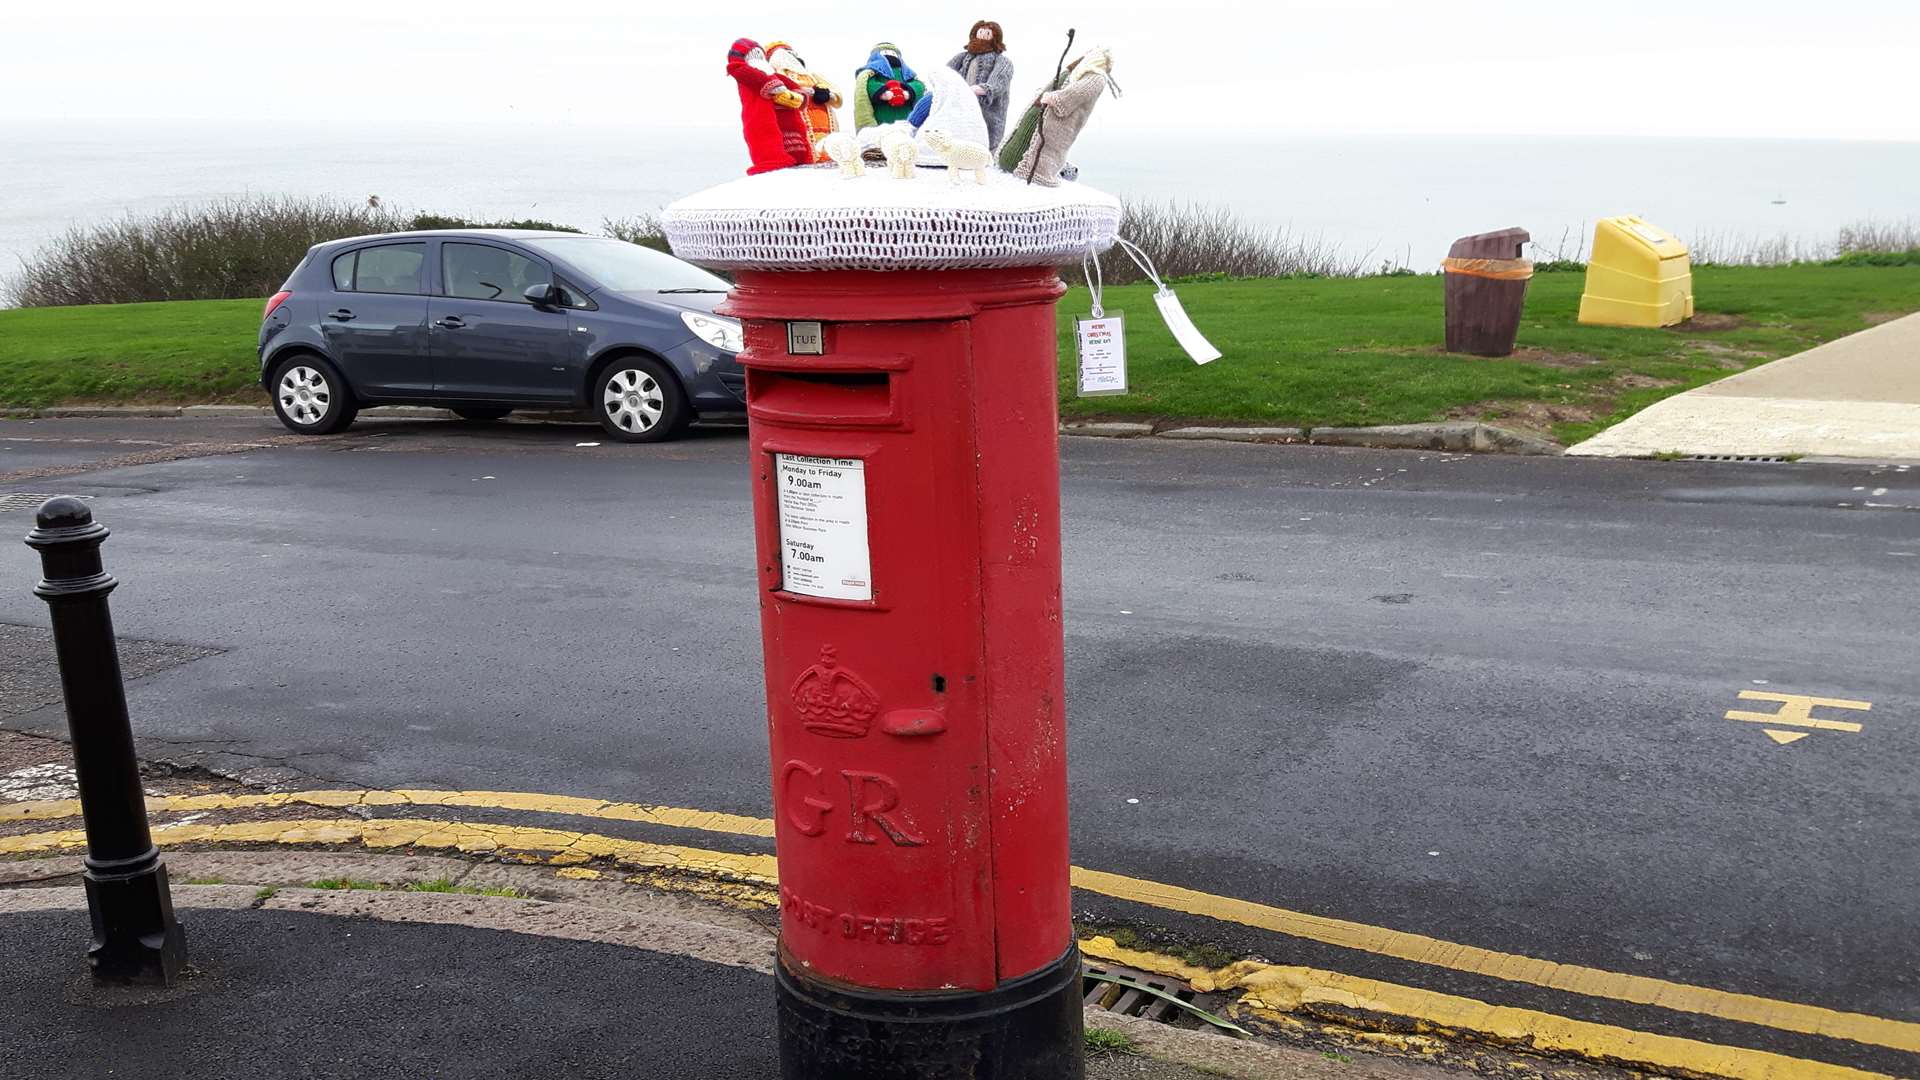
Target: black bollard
x=135 y=936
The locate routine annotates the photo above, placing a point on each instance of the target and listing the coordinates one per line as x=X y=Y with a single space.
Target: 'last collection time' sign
x=823 y=527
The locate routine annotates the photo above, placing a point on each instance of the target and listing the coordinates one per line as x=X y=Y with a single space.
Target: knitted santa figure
x=770 y=110
x=885 y=89
x=822 y=98
x=989 y=75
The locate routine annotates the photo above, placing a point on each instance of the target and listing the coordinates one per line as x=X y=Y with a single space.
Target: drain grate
x=26 y=500
x=1762 y=458
x=1130 y=992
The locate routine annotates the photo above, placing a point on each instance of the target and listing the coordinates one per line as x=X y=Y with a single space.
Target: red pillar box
x=901 y=399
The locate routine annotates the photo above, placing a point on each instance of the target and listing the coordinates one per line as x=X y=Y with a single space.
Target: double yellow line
x=1270 y=985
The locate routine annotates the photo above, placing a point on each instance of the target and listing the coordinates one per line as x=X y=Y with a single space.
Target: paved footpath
x=1858 y=397
x=609 y=982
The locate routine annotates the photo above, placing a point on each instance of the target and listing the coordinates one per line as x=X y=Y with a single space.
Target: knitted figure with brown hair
x=770 y=105
x=822 y=98
x=984 y=64
x=1062 y=113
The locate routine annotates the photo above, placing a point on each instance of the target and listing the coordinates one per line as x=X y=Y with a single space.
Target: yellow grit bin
x=1639 y=275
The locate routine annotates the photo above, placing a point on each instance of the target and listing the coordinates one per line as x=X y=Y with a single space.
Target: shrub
x=1873 y=237
x=1188 y=241
x=219 y=251
x=444 y=221
x=642 y=229
x=1876 y=258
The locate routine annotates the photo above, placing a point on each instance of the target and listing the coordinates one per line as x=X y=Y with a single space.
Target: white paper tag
x=823 y=527
x=1103 y=355
x=1184 y=332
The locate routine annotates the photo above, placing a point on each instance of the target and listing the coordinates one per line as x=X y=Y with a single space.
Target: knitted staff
x=1041 y=132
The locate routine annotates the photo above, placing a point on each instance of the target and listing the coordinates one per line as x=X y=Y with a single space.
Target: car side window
x=343 y=271
x=571 y=295
x=484 y=272
x=389 y=268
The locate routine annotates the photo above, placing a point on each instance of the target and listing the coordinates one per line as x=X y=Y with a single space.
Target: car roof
x=467 y=234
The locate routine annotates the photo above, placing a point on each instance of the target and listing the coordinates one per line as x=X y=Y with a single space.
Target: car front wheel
x=310 y=397
x=638 y=400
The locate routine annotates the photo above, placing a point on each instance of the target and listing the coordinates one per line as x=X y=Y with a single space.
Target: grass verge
x=185 y=351
x=1311 y=352
x=1365 y=351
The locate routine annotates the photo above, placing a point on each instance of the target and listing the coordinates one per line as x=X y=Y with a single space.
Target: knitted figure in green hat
x=885 y=89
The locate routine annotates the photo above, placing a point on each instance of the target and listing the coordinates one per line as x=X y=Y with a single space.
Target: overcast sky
x=1757 y=68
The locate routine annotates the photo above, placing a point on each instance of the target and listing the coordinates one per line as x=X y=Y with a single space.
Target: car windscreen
x=618 y=266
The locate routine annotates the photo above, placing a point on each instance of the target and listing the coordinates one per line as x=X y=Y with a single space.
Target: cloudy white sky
x=1757 y=68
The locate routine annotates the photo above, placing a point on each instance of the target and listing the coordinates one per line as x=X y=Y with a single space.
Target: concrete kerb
x=1456 y=436
x=565 y=904
x=1239 y=434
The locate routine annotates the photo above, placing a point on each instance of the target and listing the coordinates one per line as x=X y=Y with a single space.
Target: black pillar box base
x=136 y=939
x=1028 y=1029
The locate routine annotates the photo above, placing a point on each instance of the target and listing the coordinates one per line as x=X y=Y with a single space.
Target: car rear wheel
x=638 y=400
x=481 y=414
x=310 y=397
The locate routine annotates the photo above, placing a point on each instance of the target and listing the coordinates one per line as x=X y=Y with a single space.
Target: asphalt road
x=1479 y=698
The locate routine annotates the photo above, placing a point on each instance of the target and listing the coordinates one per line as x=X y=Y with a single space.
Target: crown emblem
x=832 y=701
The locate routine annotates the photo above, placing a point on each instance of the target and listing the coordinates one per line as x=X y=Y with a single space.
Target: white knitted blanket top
x=813 y=218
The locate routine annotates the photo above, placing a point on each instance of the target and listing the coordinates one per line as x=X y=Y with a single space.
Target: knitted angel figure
x=955 y=111
x=989 y=74
x=886 y=89
x=770 y=106
x=1062 y=113
x=822 y=98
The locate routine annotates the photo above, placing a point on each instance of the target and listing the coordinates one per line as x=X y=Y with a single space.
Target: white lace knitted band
x=812 y=218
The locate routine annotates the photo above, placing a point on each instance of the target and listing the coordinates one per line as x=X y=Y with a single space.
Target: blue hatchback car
x=485 y=321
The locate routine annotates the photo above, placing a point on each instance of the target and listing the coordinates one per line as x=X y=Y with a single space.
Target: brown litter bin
x=1486 y=292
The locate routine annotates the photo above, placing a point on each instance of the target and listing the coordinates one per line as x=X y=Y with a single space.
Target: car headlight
x=723 y=334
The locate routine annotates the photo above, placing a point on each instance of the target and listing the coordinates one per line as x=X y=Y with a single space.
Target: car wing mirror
x=547 y=295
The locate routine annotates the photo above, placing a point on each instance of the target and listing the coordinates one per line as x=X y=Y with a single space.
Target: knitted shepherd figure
x=984 y=64
x=1016 y=141
x=822 y=98
x=770 y=111
x=1063 y=112
x=886 y=89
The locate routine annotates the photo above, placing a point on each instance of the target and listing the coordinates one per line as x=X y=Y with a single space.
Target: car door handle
x=342 y=315
x=451 y=322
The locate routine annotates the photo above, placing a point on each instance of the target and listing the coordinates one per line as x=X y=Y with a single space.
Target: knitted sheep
x=961 y=156
x=900 y=151
x=841 y=147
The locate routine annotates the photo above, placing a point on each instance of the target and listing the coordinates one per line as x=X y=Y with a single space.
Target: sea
x=1372 y=198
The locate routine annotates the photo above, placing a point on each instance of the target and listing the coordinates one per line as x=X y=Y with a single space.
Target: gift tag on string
x=1100 y=341
x=1171 y=310
x=1184 y=332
